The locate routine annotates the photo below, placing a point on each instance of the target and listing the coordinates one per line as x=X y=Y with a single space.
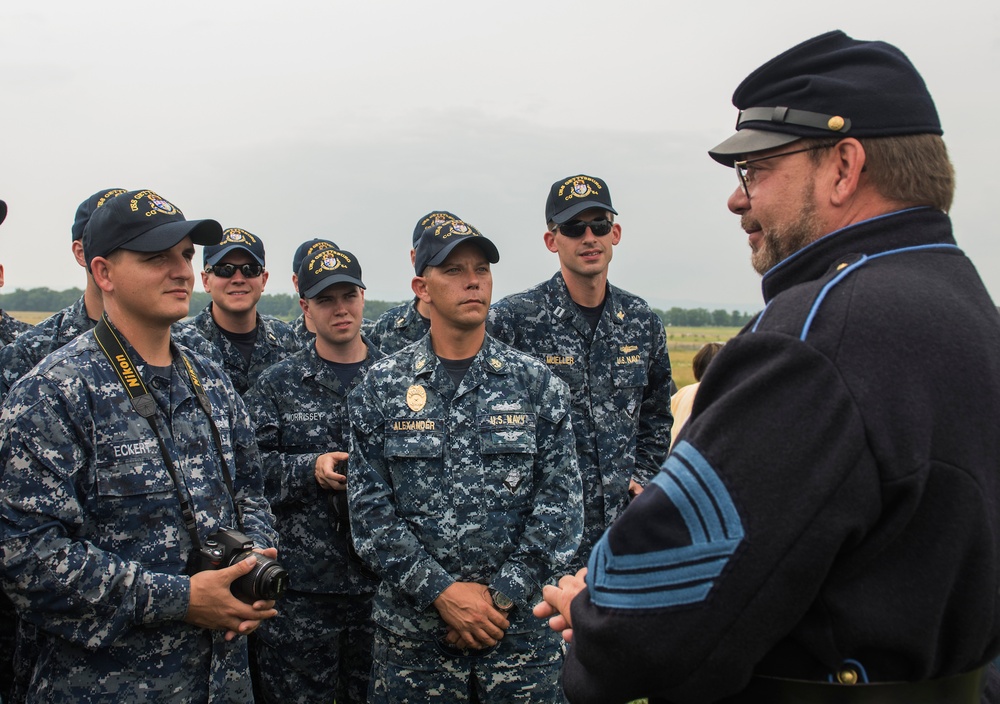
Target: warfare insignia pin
x=513 y=480
x=416 y=398
x=628 y=348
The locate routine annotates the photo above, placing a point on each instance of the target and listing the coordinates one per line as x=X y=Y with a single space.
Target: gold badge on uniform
x=495 y=363
x=628 y=348
x=620 y=315
x=416 y=398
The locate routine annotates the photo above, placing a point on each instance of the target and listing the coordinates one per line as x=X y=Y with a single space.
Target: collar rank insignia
x=620 y=315
x=495 y=363
x=513 y=480
x=420 y=363
x=416 y=398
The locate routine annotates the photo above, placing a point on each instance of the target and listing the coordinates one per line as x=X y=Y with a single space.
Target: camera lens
x=267 y=580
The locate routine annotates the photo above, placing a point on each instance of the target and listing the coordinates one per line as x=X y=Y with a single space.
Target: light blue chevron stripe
x=678 y=574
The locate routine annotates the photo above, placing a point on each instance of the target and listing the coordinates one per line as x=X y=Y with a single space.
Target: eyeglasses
x=577 y=228
x=743 y=167
x=227 y=271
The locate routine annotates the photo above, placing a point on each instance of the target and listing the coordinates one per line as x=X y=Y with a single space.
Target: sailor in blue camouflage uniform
x=245 y=341
x=93 y=540
x=10 y=327
x=406 y=323
x=319 y=647
x=16 y=360
x=464 y=495
x=302 y=327
x=825 y=528
x=58 y=329
x=606 y=343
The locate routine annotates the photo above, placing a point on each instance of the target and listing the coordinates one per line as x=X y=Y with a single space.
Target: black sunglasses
x=227 y=271
x=577 y=228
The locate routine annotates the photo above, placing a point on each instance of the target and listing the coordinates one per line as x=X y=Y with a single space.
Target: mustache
x=748 y=223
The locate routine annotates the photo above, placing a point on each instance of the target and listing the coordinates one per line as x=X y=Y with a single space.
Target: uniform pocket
x=137 y=509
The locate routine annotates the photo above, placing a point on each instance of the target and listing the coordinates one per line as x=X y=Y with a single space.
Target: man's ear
x=550 y=241
x=100 y=269
x=849 y=160
x=81 y=259
x=419 y=286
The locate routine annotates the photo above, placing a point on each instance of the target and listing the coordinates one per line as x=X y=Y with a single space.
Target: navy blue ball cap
x=432 y=219
x=88 y=207
x=142 y=221
x=309 y=248
x=3 y=211
x=233 y=239
x=436 y=243
x=328 y=267
x=569 y=197
x=829 y=86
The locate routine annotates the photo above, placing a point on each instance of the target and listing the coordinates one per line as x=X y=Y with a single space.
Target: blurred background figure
x=682 y=401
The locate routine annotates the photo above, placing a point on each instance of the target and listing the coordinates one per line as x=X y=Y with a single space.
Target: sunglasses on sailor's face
x=228 y=271
x=577 y=228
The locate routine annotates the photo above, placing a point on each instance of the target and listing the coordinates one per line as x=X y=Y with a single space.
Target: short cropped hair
x=699 y=363
x=912 y=169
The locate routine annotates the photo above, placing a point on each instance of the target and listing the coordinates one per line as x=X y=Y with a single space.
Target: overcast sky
x=350 y=120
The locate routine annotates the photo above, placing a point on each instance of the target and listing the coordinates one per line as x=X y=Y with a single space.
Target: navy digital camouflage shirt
x=619 y=377
x=92 y=540
x=299 y=408
x=17 y=358
x=275 y=341
x=398 y=327
x=474 y=484
x=11 y=328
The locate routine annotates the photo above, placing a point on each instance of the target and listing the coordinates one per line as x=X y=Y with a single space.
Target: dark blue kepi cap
x=142 y=221
x=829 y=86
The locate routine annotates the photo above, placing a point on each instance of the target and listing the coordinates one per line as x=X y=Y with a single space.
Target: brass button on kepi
x=835 y=123
x=848 y=675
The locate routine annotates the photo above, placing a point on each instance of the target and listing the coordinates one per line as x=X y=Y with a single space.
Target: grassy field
x=683 y=343
x=29 y=316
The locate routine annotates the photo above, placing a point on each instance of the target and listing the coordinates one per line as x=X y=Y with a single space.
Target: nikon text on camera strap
x=145 y=405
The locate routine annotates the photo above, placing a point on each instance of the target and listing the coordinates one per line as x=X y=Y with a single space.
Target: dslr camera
x=224 y=548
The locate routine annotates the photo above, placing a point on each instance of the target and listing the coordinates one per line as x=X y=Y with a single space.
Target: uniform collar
x=904 y=228
x=562 y=305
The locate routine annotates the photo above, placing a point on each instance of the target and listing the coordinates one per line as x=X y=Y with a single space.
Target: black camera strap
x=145 y=405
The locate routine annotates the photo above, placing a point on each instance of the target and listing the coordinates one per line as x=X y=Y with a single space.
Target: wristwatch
x=501 y=602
